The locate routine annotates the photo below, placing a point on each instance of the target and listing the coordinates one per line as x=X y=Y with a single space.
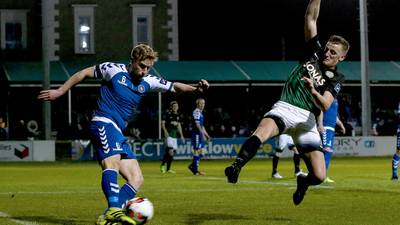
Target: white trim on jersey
x=110 y=69
x=330 y=128
x=157 y=83
x=106 y=120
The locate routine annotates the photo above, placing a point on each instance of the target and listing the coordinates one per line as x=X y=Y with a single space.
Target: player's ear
x=342 y=57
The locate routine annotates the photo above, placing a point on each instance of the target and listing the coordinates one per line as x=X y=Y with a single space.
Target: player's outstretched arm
x=52 y=94
x=181 y=87
x=310 y=20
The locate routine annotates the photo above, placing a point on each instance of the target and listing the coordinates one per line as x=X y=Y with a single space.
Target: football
x=140 y=209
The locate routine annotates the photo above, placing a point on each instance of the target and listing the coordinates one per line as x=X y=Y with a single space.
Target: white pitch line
x=262 y=182
x=5 y=215
x=47 y=192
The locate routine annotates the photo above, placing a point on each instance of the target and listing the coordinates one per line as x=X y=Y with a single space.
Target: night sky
x=273 y=29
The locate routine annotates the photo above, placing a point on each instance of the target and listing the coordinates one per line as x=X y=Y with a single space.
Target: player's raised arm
x=181 y=87
x=311 y=16
x=52 y=94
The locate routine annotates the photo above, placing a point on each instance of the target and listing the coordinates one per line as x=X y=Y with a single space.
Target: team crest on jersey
x=329 y=74
x=141 y=89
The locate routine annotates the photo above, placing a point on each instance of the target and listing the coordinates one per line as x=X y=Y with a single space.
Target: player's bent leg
x=302 y=187
x=318 y=170
x=109 y=179
x=266 y=129
x=316 y=165
x=131 y=172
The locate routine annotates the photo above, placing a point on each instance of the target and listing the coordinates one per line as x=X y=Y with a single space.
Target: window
x=142 y=28
x=142 y=21
x=84 y=34
x=13 y=29
x=13 y=36
x=84 y=28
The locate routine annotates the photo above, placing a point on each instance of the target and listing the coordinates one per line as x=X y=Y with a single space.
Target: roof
x=32 y=72
x=214 y=71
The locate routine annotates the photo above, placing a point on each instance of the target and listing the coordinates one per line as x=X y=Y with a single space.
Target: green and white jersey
x=296 y=93
x=172 y=121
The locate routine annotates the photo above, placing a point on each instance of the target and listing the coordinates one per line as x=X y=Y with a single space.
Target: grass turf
x=70 y=193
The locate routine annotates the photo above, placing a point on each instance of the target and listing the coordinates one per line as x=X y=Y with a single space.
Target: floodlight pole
x=365 y=90
x=46 y=68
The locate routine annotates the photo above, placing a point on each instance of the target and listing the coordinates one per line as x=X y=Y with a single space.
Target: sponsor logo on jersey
x=117 y=147
x=315 y=74
x=123 y=81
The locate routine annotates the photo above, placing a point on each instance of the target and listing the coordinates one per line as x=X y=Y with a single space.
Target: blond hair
x=142 y=52
x=336 y=39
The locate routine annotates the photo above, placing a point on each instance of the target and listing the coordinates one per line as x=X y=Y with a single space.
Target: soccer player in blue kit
x=326 y=126
x=122 y=89
x=396 y=156
x=199 y=137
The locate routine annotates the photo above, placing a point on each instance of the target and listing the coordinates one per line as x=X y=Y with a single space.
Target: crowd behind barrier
x=223 y=119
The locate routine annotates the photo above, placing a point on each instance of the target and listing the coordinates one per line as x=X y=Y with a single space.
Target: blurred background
x=246 y=49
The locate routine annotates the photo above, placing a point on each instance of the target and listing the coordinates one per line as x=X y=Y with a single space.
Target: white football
x=140 y=209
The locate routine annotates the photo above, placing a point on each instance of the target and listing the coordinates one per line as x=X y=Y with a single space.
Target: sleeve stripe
x=170 y=87
x=97 y=72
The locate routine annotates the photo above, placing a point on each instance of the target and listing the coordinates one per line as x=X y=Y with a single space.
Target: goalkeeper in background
x=311 y=87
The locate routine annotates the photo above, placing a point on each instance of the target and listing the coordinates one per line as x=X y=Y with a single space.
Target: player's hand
x=49 y=95
x=343 y=130
x=202 y=85
x=308 y=82
x=321 y=129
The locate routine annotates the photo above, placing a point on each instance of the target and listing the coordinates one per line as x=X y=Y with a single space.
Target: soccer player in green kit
x=310 y=89
x=171 y=126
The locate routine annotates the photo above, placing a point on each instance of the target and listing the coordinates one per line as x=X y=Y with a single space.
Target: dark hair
x=172 y=103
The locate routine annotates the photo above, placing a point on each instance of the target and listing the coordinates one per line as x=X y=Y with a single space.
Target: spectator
x=20 y=132
x=3 y=130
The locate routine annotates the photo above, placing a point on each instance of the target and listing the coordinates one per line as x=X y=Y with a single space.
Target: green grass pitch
x=70 y=193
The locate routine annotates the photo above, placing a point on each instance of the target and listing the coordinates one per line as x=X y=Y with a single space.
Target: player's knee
x=112 y=162
x=315 y=179
x=136 y=180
